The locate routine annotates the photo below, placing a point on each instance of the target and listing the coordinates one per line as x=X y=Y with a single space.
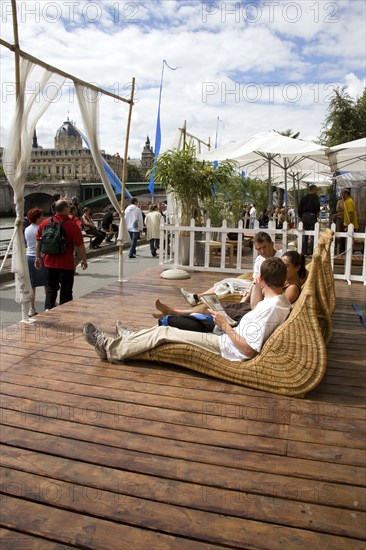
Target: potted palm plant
x=190 y=180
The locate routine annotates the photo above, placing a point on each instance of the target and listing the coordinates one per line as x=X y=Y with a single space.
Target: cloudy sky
x=244 y=67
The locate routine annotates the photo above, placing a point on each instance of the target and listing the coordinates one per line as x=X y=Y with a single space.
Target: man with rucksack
x=56 y=238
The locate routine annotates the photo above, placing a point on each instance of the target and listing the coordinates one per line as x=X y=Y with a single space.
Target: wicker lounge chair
x=325 y=289
x=293 y=359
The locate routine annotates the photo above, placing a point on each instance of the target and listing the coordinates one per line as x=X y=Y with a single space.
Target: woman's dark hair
x=297 y=260
x=33 y=214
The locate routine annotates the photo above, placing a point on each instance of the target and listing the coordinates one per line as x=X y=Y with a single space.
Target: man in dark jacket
x=107 y=224
x=309 y=210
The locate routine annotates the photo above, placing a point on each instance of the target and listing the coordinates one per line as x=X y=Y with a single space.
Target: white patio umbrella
x=350 y=156
x=269 y=151
x=351 y=179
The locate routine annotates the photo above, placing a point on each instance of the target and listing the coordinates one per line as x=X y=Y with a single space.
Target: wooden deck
x=142 y=456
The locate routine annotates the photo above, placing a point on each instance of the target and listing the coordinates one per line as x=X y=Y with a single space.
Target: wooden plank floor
x=145 y=456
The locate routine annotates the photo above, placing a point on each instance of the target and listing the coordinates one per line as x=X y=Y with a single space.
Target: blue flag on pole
x=111 y=175
x=158 y=129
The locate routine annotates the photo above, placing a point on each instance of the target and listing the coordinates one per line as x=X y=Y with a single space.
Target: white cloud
x=255 y=68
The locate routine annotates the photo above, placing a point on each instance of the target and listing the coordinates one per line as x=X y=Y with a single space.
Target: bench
x=86 y=236
x=293 y=359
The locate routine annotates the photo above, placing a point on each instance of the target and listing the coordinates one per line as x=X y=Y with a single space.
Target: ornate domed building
x=69 y=160
x=67 y=137
x=69 y=168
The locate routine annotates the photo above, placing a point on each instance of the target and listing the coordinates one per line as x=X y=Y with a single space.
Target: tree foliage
x=346 y=118
x=133 y=173
x=289 y=133
x=228 y=203
x=257 y=193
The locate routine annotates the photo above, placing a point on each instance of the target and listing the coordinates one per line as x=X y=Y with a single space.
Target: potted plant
x=190 y=180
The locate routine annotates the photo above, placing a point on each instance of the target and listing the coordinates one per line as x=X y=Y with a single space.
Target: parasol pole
x=285 y=167
x=124 y=174
x=270 y=198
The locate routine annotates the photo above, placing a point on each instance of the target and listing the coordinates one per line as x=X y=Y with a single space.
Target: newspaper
x=232 y=285
x=212 y=301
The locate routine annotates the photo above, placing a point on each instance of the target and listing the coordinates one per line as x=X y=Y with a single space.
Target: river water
x=6 y=233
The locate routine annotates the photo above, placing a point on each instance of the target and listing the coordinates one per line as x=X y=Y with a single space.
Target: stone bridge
x=40 y=194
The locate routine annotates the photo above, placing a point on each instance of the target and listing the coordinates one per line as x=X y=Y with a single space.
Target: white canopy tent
x=270 y=155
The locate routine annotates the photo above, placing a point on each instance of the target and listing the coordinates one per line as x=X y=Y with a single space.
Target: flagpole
x=158 y=127
x=157 y=135
x=124 y=174
x=158 y=130
x=217 y=131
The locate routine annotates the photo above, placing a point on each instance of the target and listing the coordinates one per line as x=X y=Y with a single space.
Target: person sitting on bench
x=108 y=226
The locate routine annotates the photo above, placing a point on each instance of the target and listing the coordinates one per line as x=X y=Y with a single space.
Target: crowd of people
x=309 y=213
x=56 y=272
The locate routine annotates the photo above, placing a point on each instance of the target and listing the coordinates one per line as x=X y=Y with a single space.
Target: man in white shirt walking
x=252 y=216
x=135 y=224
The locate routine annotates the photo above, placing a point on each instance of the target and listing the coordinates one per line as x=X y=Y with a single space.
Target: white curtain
x=17 y=155
x=89 y=102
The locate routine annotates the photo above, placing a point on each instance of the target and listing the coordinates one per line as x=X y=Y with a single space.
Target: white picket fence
x=191 y=247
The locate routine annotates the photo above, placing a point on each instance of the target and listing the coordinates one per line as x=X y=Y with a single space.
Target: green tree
x=289 y=133
x=346 y=118
x=227 y=202
x=361 y=115
x=257 y=192
x=133 y=173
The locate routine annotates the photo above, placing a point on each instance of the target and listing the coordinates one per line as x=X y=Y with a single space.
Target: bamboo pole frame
x=184 y=134
x=20 y=53
x=16 y=49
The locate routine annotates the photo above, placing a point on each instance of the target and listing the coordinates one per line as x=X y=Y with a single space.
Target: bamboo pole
x=52 y=69
x=124 y=174
x=16 y=49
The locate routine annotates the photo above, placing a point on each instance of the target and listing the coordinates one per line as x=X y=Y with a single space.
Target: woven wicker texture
x=324 y=288
x=293 y=359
